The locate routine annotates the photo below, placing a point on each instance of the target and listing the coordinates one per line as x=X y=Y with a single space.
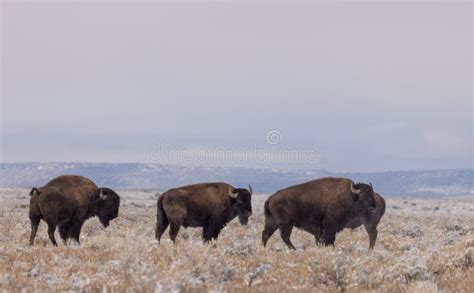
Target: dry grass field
x=424 y=245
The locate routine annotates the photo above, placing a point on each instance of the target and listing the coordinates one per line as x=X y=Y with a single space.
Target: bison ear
x=34 y=191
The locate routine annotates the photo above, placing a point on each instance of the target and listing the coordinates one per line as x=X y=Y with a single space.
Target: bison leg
x=64 y=231
x=34 y=228
x=208 y=235
x=160 y=228
x=211 y=231
x=285 y=232
x=329 y=236
x=176 y=215
x=270 y=228
x=174 y=229
x=207 y=232
x=51 y=230
x=318 y=238
x=75 y=230
x=215 y=233
x=372 y=231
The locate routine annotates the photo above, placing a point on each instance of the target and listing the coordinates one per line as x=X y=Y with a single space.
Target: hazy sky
x=369 y=86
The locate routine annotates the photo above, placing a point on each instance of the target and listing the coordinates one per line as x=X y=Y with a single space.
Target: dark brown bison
x=66 y=202
x=207 y=205
x=321 y=207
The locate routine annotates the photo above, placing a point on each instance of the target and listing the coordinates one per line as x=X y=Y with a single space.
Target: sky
x=364 y=86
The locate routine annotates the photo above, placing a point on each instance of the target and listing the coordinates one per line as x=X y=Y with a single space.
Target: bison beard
x=207 y=205
x=321 y=207
x=66 y=202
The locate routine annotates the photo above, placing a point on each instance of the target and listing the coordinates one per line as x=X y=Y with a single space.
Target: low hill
x=161 y=177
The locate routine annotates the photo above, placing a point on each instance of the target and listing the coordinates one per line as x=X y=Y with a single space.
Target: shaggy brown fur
x=206 y=205
x=323 y=206
x=67 y=201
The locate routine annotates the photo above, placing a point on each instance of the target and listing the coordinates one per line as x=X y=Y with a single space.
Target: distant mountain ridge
x=161 y=177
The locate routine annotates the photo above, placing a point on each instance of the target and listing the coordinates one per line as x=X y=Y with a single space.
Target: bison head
x=363 y=195
x=108 y=203
x=241 y=203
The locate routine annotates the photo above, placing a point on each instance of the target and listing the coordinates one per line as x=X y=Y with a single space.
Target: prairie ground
x=424 y=245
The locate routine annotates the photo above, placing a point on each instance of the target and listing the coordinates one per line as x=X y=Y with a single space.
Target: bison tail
x=382 y=212
x=161 y=218
x=267 y=210
x=34 y=191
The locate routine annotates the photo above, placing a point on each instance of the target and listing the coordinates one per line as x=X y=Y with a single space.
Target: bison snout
x=105 y=223
x=244 y=218
x=244 y=221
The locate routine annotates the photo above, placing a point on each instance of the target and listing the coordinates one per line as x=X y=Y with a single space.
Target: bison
x=321 y=207
x=66 y=202
x=207 y=205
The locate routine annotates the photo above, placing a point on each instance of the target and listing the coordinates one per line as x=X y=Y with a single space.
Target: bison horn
x=250 y=189
x=232 y=193
x=353 y=190
x=102 y=195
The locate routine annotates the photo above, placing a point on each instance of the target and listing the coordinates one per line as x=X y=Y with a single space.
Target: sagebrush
x=423 y=245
